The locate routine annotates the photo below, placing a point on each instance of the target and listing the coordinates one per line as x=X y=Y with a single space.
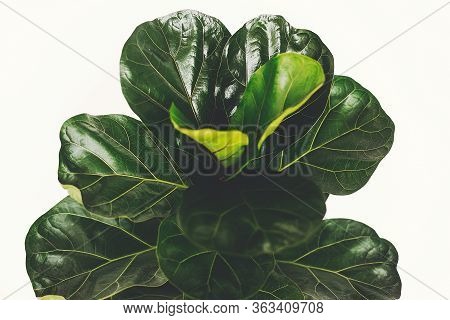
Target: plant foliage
x=145 y=219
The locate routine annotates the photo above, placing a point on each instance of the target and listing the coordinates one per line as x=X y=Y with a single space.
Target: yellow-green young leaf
x=226 y=145
x=254 y=44
x=51 y=297
x=276 y=90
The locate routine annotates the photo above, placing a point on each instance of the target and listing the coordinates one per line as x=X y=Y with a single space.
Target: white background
x=43 y=83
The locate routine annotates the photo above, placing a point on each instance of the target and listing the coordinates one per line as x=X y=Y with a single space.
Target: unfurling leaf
x=226 y=145
x=275 y=91
x=259 y=40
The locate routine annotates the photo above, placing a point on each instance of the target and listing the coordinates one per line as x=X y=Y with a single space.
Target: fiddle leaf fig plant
x=219 y=191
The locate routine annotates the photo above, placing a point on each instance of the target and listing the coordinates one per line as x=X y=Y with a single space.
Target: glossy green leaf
x=344 y=260
x=226 y=145
x=256 y=43
x=208 y=274
x=343 y=149
x=279 y=287
x=251 y=215
x=116 y=167
x=275 y=91
x=77 y=255
x=173 y=59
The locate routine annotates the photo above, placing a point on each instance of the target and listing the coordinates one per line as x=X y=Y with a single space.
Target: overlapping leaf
x=344 y=260
x=226 y=145
x=251 y=216
x=116 y=167
x=343 y=149
x=275 y=91
x=253 y=45
x=76 y=255
x=251 y=237
x=279 y=287
x=208 y=274
x=164 y=292
x=173 y=59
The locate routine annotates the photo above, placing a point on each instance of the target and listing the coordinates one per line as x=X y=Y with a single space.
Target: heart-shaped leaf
x=252 y=215
x=208 y=274
x=343 y=149
x=173 y=59
x=344 y=260
x=76 y=255
x=115 y=166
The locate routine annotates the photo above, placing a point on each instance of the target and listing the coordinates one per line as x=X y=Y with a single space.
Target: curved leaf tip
x=276 y=90
x=344 y=147
x=74 y=193
x=226 y=145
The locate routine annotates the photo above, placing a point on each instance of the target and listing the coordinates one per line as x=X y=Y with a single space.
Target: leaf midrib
x=181 y=186
x=135 y=254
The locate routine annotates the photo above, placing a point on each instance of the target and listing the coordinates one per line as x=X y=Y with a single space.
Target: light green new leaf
x=51 y=297
x=251 y=215
x=276 y=90
x=259 y=40
x=344 y=260
x=226 y=145
x=77 y=255
x=115 y=166
x=343 y=149
x=208 y=274
x=173 y=59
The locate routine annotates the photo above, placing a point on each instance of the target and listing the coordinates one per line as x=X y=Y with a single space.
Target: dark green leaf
x=343 y=149
x=251 y=215
x=77 y=255
x=173 y=59
x=208 y=274
x=115 y=166
x=279 y=287
x=344 y=260
x=256 y=43
x=275 y=91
